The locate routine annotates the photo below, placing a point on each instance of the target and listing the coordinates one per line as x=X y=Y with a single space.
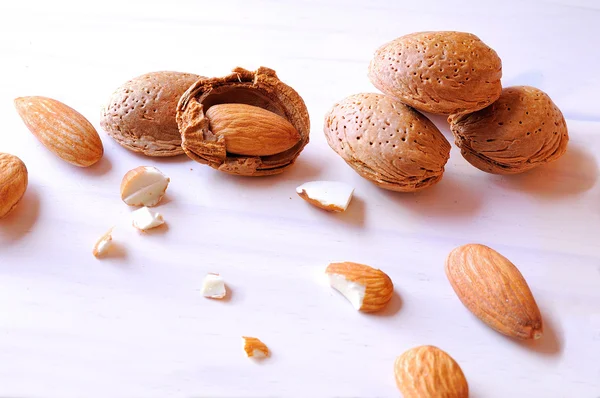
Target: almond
x=367 y=288
x=103 y=244
x=327 y=195
x=250 y=130
x=144 y=186
x=255 y=348
x=61 y=129
x=428 y=372
x=13 y=182
x=494 y=290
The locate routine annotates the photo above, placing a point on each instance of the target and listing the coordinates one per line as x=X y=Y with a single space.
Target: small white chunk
x=213 y=286
x=328 y=195
x=145 y=219
x=144 y=186
x=103 y=244
x=354 y=292
x=258 y=354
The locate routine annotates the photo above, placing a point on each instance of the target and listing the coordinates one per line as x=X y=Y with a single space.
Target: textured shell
x=428 y=372
x=61 y=129
x=494 y=290
x=438 y=72
x=140 y=114
x=260 y=88
x=387 y=142
x=379 y=286
x=520 y=131
x=13 y=182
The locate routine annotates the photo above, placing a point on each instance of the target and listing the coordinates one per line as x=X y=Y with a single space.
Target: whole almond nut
x=63 y=130
x=387 y=142
x=494 y=290
x=428 y=372
x=438 y=72
x=522 y=130
x=13 y=182
x=140 y=114
x=250 y=130
x=368 y=289
x=261 y=88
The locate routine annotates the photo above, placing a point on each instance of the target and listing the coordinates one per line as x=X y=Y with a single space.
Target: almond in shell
x=387 y=142
x=438 y=72
x=140 y=115
x=522 y=130
x=494 y=290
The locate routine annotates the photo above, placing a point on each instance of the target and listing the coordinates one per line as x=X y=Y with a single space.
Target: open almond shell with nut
x=204 y=142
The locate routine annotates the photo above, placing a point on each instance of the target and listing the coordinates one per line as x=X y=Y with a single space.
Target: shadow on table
x=20 y=221
x=100 y=168
x=575 y=172
x=302 y=170
x=449 y=198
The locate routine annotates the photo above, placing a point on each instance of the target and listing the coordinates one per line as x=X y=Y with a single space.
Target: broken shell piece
x=368 y=289
x=327 y=195
x=101 y=247
x=255 y=348
x=145 y=219
x=213 y=286
x=144 y=186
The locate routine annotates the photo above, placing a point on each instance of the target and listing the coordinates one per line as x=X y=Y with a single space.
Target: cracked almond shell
x=387 y=142
x=438 y=72
x=261 y=88
x=140 y=114
x=520 y=131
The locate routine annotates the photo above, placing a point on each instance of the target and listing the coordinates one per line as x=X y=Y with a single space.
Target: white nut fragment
x=327 y=195
x=103 y=244
x=255 y=348
x=213 y=286
x=144 y=186
x=353 y=291
x=145 y=219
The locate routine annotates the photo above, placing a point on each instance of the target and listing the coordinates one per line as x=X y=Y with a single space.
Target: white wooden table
x=135 y=324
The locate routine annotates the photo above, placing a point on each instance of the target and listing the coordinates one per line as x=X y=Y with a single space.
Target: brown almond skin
x=13 y=182
x=250 y=130
x=63 y=130
x=261 y=88
x=140 y=114
x=387 y=142
x=494 y=290
x=522 y=130
x=428 y=372
x=438 y=72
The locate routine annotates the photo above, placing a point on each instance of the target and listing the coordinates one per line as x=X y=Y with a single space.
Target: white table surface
x=135 y=324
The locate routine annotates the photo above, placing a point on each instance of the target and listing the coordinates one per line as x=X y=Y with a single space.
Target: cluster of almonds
x=387 y=140
x=252 y=124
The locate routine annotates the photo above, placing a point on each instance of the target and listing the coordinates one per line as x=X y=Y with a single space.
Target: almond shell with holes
x=140 y=114
x=387 y=142
x=520 y=131
x=261 y=88
x=438 y=72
